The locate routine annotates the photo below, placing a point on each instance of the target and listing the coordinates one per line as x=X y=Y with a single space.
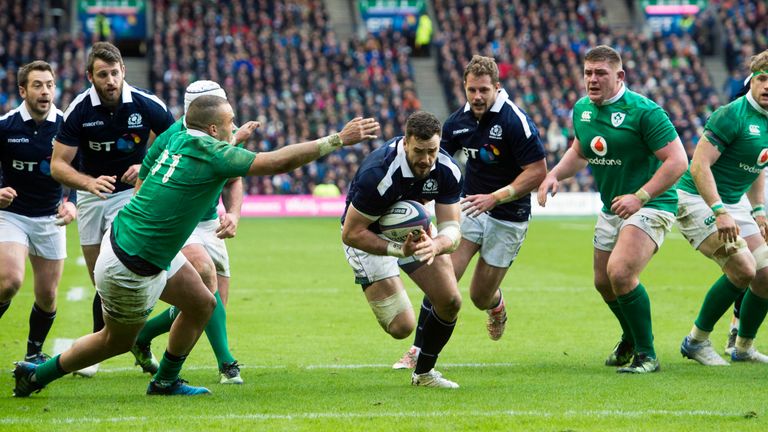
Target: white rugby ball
x=402 y=218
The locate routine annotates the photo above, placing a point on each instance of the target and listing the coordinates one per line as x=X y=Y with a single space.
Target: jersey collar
x=405 y=169
x=501 y=98
x=618 y=96
x=126 y=96
x=26 y=116
x=197 y=133
x=756 y=105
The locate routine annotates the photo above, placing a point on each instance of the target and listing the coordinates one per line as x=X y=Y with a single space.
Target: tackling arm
x=293 y=156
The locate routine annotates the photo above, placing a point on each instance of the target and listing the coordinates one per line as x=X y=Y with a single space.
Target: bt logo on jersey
x=101 y=146
x=23 y=165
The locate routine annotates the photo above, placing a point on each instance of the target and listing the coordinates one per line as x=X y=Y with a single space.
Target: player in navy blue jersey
x=505 y=162
x=408 y=168
x=111 y=124
x=32 y=212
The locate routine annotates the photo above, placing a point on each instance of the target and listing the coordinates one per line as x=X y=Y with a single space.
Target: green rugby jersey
x=619 y=139
x=176 y=193
x=156 y=150
x=739 y=130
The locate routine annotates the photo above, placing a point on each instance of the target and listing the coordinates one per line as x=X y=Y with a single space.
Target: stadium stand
x=281 y=64
x=24 y=36
x=540 y=63
x=745 y=31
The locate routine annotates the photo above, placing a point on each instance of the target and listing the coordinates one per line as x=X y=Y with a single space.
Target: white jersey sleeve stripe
x=74 y=103
x=521 y=116
x=151 y=97
x=446 y=160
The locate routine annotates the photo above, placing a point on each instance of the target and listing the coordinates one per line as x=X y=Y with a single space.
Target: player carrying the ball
x=408 y=168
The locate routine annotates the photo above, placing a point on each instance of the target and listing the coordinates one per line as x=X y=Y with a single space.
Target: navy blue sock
x=418 y=337
x=40 y=323
x=436 y=334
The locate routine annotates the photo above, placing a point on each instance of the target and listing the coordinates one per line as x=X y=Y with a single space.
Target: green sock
x=170 y=366
x=718 y=300
x=49 y=371
x=753 y=310
x=626 y=332
x=158 y=325
x=216 y=331
x=636 y=307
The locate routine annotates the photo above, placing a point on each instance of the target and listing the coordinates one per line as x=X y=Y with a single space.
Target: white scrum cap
x=202 y=88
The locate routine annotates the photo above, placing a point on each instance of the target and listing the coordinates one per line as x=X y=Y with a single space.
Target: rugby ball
x=404 y=217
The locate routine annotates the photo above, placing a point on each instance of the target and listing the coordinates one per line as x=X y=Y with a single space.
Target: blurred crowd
x=540 y=45
x=283 y=65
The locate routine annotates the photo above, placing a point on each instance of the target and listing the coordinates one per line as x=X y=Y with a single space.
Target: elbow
x=56 y=171
x=681 y=166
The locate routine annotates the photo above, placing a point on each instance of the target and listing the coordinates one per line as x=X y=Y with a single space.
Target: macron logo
x=460 y=131
x=93 y=123
x=18 y=140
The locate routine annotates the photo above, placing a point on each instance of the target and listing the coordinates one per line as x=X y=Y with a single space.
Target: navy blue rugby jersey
x=497 y=146
x=25 y=156
x=111 y=141
x=384 y=178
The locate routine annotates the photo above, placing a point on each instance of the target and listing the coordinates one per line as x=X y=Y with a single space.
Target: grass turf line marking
x=372 y=414
x=317 y=367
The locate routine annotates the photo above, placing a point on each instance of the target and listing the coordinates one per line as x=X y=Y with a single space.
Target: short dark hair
x=105 y=52
x=423 y=125
x=604 y=53
x=480 y=65
x=204 y=111
x=38 y=65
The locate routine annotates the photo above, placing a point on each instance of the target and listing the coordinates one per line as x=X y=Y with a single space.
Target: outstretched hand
x=359 y=129
x=245 y=131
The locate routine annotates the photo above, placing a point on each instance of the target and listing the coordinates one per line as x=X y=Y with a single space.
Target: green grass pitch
x=315 y=358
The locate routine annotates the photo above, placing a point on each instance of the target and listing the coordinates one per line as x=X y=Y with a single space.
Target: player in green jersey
x=205 y=250
x=636 y=157
x=729 y=161
x=140 y=260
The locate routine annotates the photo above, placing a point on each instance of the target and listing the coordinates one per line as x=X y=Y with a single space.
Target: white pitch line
x=397 y=414
x=321 y=366
x=76 y=294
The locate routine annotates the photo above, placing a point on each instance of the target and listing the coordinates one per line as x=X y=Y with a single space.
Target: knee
x=208 y=306
x=449 y=309
x=401 y=327
x=481 y=301
x=9 y=286
x=742 y=277
x=46 y=302
x=207 y=272
x=619 y=277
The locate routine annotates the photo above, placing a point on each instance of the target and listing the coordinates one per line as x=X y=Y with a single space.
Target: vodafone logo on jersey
x=599 y=146
x=762 y=158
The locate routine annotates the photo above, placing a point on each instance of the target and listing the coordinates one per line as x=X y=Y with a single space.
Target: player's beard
x=39 y=110
x=108 y=98
x=419 y=172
